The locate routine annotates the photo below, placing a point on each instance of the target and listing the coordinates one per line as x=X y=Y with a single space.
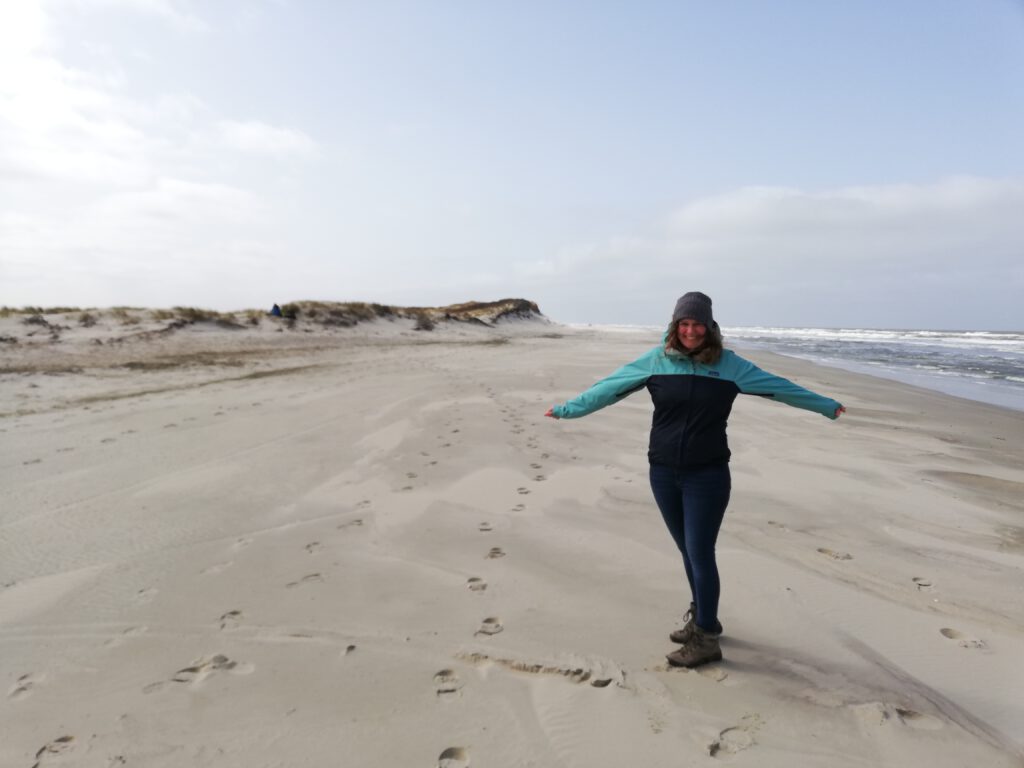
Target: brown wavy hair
x=708 y=353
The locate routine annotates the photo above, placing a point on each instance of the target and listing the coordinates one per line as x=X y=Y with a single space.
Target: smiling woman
x=701 y=338
x=693 y=382
x=690 y=333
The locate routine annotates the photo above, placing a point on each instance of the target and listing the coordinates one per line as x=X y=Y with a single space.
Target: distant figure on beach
x=693 y=382
x=275 y=311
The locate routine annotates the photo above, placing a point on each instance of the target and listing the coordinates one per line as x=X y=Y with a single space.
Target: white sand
x=369 y=548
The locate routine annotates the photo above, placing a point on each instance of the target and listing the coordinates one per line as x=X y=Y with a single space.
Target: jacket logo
x=714 y=373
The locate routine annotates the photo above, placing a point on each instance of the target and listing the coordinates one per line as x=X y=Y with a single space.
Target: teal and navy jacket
x=692 y=402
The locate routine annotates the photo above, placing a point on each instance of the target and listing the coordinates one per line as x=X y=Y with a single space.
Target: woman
x=693 y=382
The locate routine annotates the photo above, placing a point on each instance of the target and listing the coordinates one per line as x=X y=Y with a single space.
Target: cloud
x=174 y=12
x=882 y=255
x=900 y=223
x=59 y=123
x=23 y=31
x=64 y=124
x=210 y=243
x=260 y=138
x=108 y=196
x=944 y=223
x=165 y=222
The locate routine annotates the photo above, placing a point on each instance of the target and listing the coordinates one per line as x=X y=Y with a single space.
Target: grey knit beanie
x=696 y=306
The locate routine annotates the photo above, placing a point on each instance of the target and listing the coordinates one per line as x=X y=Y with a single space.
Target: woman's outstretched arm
x=751 y=380
x=625 y=381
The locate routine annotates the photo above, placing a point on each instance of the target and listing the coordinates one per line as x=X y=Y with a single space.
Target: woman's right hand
x=551 y=413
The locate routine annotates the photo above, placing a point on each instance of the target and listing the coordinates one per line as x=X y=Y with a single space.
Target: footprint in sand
x=730 y=741
x=780 y=526
x=964 y=641
x=454 y=757
x=574 y=674
x=58 y=746
x=922 y=583
x=22 y=687
x=201 y=669
x=539 y=478
x=490 y=626
x=835 y=555
x=363 y=504
x=230 y=619
x=715 y=673
x=109 y=440
x=535 y=466
x=146 y=595
x=446 y=682
x=476 y=584
x=411 y=475
x=485 y=527
x=737 y=738
x=32 y=461
x=545 y=456
x=308 y=578
x=170 y=426
x=522 y=491
x=351 y=523
x=518 y=507
x=64 y=450
x=241 y=543
x=495 y=552
x=313 y=547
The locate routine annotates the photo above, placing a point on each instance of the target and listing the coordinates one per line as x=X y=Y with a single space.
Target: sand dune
x=366 y=546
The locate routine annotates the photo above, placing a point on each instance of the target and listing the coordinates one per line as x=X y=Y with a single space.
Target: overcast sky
x=805 y=163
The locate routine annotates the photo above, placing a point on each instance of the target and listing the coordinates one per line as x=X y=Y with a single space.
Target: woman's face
x=691 y=333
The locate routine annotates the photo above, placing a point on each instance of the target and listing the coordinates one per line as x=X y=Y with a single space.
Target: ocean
x=987 y=366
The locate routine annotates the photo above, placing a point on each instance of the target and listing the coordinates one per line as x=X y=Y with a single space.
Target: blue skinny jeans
x=693 y=502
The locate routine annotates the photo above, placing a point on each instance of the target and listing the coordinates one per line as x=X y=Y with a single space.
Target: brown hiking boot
x=702 y=649
x=683 y=636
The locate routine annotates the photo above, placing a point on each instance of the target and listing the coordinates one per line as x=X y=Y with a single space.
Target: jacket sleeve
x=625 y=381
x=751 y=380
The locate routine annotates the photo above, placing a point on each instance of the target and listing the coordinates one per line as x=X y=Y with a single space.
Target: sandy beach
x=366 y=546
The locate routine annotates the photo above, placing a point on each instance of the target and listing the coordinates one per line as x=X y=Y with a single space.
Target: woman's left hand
x=840 y=410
